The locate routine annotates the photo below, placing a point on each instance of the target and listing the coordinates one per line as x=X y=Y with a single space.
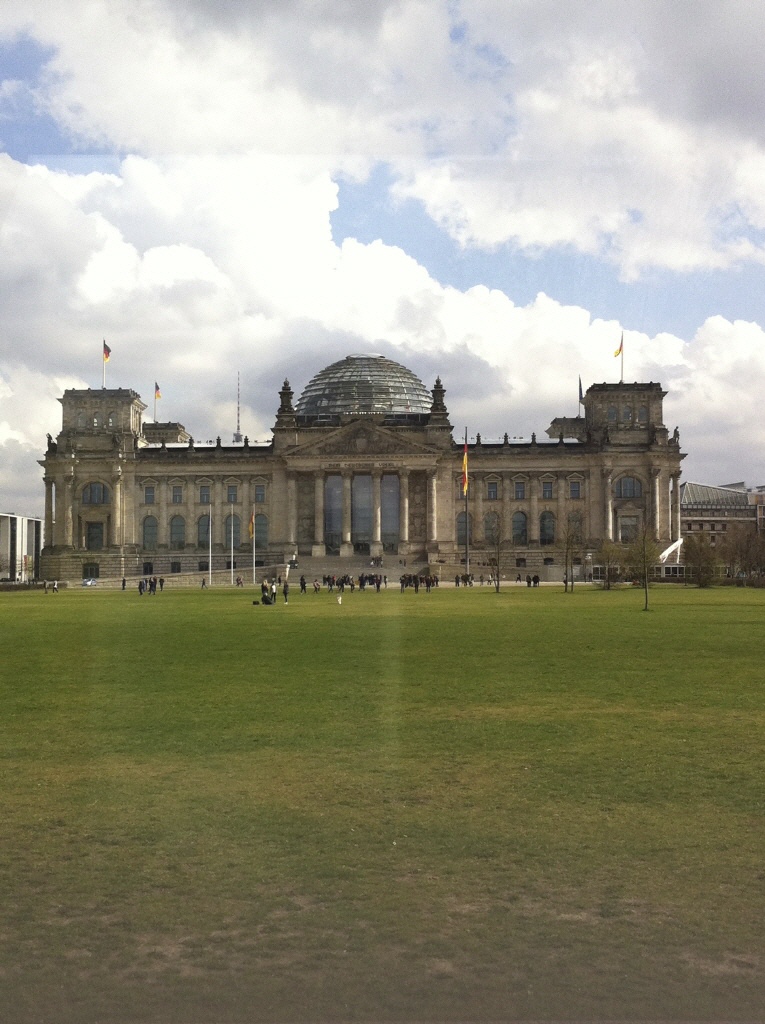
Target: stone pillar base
x=318 y=550
x=346 y=550
x=376 y=549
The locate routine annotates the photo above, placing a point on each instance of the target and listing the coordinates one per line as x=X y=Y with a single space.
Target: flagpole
x=253 y=545
x=467 y=516
x=232 y=544
x=621 y=381
x=209 y=542
x=103 y=367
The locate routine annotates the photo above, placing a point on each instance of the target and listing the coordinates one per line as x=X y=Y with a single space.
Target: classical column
x=655 y=500
x=292 y=510
x=507 y=495
x=346 y=548
x=163 y=517
x=403 y=506
x=586 y=509
x=318 y=550
x=478 y=485
x=116 y=539
x=218 y=518
x=68 y=507
x=432 y=506
x=533 y=532
x=562 y=524
x=676 y=510
x=49 y=539
x=608 y=510
x=376 y=545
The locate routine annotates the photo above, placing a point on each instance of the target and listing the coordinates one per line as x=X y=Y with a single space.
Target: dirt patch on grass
x=731 y=964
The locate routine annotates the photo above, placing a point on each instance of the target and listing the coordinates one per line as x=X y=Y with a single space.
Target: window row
x=625 y=487
x=178 y=492
x=628 y=414
x=519 y=529
x=97 y=420
x=493 y=490
x=180 y=536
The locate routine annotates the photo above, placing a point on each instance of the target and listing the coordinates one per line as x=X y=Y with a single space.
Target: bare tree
x=700 y=556
x=744 y=550
x=493 y=534
x=640 y=557
x=611 y=555
x=571 y=543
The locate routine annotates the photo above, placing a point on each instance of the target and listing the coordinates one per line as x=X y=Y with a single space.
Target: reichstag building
x=364 y=464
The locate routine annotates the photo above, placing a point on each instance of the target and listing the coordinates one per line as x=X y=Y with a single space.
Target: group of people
x=415 y=581
x=148 y=585
x=268 y=591
x=339 y=583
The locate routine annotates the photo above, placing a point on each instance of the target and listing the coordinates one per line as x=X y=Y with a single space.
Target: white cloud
x=551 y=126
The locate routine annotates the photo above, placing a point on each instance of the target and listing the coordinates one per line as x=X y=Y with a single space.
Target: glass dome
x=363 y=386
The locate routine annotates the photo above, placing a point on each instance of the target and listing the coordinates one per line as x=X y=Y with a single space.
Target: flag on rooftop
x=465 y=468
x=157 y=392
x=620 y=349
x=107 y=352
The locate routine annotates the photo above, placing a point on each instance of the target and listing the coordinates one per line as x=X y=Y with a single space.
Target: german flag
x=465 y=469
x=107 y=352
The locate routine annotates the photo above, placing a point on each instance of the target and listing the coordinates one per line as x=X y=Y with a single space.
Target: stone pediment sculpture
x=362 y=439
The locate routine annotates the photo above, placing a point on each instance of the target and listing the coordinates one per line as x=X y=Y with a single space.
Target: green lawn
x=460 y=806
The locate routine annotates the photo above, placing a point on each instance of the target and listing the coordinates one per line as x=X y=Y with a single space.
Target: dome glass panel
x=363 y=386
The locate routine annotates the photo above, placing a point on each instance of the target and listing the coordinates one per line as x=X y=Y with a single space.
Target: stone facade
x=122 y=496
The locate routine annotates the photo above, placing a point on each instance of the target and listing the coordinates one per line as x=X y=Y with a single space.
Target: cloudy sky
x=487 y=190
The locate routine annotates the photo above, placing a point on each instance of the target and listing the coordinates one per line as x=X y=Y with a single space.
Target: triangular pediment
x=364 y=440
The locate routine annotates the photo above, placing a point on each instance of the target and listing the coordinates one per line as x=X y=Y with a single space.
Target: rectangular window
x=148 y=568
x=491 y=490
x=203 y=566
x=204 y=494
x=175 y=567
x=574 y=489
x=177 y=494
x=260 y=493
x=520 y=490
x=148 y=495
x=232 y=499
x=91 y=571
x=520 y=563
x=547 y=490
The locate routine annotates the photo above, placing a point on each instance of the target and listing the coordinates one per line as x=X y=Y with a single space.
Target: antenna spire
x=238 y=433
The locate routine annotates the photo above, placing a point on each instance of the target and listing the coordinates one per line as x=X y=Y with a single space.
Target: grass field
x=460 y=806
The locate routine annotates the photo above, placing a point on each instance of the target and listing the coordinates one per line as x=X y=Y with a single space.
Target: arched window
x=261 y=532
x=627 y=414
x=111 y=420
x=95 y=494
x=492 y=528
x=520 y=529
x=177 y=533
x=233 y=522
x=150 y=533
x=613 y=414
x=96 y=420
x=643 y=414
x=462 y=529
x=547 y=528
x=82 y=420
x=628 y=487
x=203 y=531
